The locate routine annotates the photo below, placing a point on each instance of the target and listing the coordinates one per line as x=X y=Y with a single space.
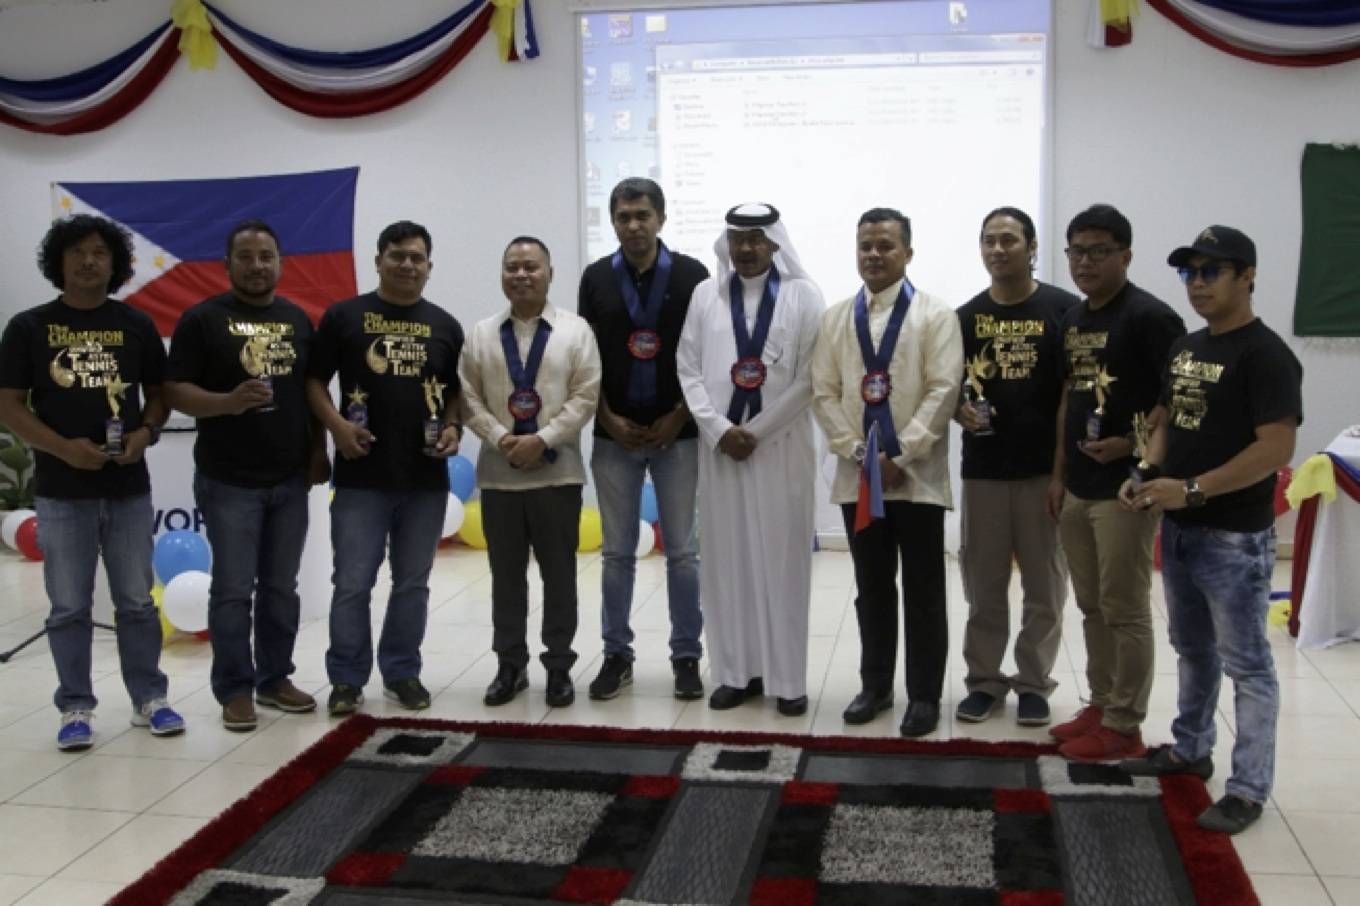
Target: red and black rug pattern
x=402 y=811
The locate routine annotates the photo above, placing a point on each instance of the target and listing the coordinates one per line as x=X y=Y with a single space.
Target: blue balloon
x=650 y=512
x=462 y=477
x=178 y=552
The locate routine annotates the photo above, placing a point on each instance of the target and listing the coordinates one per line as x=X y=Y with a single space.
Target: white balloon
x=103 y=596
x=453 y=517
x=646 y=538
x=10 y=527
x=186 y=601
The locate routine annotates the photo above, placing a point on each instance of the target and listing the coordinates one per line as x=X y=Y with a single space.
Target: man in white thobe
x=745 y=372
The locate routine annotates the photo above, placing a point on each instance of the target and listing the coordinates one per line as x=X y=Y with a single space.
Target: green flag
x=1327 y=303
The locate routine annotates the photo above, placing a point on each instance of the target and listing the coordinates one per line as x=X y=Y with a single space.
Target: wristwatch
x=861 y=450
x=1194 y=497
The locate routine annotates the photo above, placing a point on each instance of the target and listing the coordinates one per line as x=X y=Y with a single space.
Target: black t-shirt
x=1218 y=390
x=1123 y=345
x=601 y=303
x=390 y=353
x=221 y=342
x=1022 y=347
x=81 y=366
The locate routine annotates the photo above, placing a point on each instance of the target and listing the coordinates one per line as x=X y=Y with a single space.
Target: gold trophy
x=434 y=426
x=1142 y=433
x=113 y=425
x=356 y=412
x=981 y=368
x=1096 y=418
x=255 y=360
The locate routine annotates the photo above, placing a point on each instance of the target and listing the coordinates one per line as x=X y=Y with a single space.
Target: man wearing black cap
x=745 y=367
x=1231 y=403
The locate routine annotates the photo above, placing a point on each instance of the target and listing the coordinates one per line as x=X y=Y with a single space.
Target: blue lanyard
x=642 y=372
x=878 y=362
x=750 y=346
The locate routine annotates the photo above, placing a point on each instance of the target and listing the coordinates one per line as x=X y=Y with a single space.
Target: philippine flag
x=869 y=505
x=179 y=230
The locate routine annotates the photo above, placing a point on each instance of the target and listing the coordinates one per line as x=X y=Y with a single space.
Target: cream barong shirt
x=568 y=383
x=926 y=371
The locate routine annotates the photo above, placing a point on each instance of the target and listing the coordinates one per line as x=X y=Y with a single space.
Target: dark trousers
x=548 y=521
x=913 y=532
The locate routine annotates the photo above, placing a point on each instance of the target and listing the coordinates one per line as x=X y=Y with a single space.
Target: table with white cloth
x=1326 y=572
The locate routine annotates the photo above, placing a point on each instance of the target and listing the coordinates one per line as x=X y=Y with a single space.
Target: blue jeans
x=618 y=487
x=72 y=535
x=257 y=535
x=365 y=525
x=1217 y=594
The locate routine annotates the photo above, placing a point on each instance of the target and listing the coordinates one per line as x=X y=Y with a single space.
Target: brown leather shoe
x=239 y=714
x=286 y=697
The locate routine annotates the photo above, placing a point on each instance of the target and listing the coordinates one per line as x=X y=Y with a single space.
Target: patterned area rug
x=414 y=813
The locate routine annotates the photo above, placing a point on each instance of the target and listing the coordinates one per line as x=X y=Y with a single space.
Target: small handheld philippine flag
x=869 y=506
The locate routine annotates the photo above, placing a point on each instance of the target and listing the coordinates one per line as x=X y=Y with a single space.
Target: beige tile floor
x=75 y=828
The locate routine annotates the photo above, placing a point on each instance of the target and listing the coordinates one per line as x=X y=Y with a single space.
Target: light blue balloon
x=178 y=552
x=462 y=477
x=650 y=512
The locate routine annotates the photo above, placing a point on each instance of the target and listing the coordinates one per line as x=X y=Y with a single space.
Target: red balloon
x=26 y=539
x=658 y=547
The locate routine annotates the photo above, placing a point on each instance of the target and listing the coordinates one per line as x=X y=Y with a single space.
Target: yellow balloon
x=470 y=532
x=592 y=531
x=158 y=597
x=1278 y=615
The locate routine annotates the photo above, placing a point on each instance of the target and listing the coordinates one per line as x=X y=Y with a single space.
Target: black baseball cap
x=1221 y=242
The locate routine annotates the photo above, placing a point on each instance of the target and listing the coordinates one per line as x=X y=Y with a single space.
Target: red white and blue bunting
x=1278 y=32
x=317 y=83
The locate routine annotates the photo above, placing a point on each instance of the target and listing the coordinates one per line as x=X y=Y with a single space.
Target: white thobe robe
x=756 y=517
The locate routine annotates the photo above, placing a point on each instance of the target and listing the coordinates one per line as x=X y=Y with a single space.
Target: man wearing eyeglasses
x=1230 y=407
x=1116 y=347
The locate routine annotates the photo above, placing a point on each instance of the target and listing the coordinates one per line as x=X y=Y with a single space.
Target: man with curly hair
x=91 y=369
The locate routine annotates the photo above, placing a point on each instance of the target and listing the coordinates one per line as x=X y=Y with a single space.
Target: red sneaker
x=1104 y=744
x=1087 y=719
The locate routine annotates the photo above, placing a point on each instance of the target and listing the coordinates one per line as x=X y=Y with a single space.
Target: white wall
x=1175 y=133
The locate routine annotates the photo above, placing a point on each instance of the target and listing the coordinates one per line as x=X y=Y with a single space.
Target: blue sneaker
x=75 y=734
x=160 y=717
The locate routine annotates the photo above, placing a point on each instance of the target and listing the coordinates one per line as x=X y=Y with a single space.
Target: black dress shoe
x=792 y=707
x=509 y=682
x=725 y=697
x=561 y=692
x=866 y=706
x=921 y=718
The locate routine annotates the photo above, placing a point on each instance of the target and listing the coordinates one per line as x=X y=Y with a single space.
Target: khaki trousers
x=1109 y=553
x=1001 y=521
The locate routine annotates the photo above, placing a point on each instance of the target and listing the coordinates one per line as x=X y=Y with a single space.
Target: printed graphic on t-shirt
x=85 y=360
x=1083 y=358
x=1189 y=396
x=399 y=349
x=1012 y=346
x=268 y=348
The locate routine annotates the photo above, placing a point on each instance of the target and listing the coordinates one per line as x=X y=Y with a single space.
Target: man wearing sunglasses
x=1231 y=403
x=1115 y=348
